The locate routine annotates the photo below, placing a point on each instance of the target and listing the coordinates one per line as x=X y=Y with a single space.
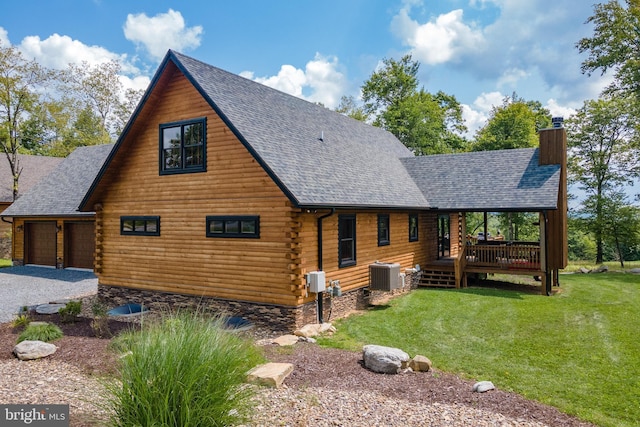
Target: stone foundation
x=273 y=317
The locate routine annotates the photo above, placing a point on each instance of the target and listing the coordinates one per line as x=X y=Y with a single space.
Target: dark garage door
x=40 y=243
x=79 y=244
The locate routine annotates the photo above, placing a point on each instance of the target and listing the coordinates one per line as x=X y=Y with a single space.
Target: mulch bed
x=314 y=367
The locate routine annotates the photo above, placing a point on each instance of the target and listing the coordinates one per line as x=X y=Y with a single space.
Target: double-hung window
x=346 y=240
x=413 y=227
x=183 y=147
x=383 y=230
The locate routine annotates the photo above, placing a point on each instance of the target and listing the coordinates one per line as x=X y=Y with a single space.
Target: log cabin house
x=47 y=228
x=224 y=193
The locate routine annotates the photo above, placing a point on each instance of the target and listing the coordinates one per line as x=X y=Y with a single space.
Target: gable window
x=383 y=230
x=346 y=240
x=247 y=227
x=413 y=227
x=140 y=225
x=182 y=147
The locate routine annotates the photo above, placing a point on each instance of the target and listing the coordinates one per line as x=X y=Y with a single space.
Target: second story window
x=182 y=147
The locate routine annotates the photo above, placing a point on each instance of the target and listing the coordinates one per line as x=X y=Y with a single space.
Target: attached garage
x=47 y=227
x=40 y=243
x=79 y=241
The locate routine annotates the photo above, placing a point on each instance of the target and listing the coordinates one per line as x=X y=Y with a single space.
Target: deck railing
x=507 y=256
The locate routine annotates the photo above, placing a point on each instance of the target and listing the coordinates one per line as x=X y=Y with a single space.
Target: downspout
x=320 y=266
x=5 y=220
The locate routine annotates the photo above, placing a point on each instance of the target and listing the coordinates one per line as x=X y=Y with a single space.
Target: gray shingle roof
x=320 y=158
x=355 y=164
x=487 y=180
x=34 y=168
x=60 y=192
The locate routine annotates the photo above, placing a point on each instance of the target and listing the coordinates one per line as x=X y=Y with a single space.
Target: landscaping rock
x=49 y=308
x=386 y=360
x=315 y=329
x=635 y=271
x=583 y=270
x=420 y=363
x=30 y=350
x=270 y=374
x=483 y=386
x=285 y=340
x=600 y=269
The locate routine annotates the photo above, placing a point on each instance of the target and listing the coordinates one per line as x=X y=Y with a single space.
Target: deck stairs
x=438 y=276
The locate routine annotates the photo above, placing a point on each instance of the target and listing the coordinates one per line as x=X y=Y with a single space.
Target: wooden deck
x=497 y=258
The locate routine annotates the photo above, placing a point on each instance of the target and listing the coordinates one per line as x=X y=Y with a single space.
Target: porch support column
x=544 y=254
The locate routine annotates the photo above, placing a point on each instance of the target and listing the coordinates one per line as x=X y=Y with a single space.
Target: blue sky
x=477 y=50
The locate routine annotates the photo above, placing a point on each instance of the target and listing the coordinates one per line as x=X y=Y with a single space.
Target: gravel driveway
x=29 y=285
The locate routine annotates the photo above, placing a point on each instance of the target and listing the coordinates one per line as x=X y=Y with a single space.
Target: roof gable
x=316 y=156
x=60 y=192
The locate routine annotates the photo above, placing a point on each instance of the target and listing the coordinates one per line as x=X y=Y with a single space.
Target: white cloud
x=4 y=38
x=476 y=115
x=558 y=110
x=511 y=77
x=321 y=78
x=58 y=52
x=438 y=41
x=159 y=33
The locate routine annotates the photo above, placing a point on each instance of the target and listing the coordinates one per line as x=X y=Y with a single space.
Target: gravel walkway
x=29 y=285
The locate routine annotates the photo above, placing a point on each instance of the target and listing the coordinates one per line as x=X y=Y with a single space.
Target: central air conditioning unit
x=384 y=276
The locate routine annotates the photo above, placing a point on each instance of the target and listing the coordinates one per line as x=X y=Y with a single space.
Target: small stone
x=270 y=374
x=30 y=350
x=285 y=340
x=309 y=340
x=420 y=363
x=583 y=270
x=483 y=386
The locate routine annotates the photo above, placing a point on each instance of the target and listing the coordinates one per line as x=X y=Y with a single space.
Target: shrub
x=21 y=321
x=185 y=370
x=100 y=322
x=40 y=331
x=69 y=313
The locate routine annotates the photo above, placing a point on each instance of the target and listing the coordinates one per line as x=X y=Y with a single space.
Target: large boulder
x=386 y=360
x=483 y=386
x=30 y=350
x=315 y=329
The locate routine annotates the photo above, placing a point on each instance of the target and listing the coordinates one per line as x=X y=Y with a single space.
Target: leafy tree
x=20 y=81
x=621 y=225
x=349 y=107
x=614 y=45
x=425 y=123
x=99 y=88
x=604 y=155
x=514 y=124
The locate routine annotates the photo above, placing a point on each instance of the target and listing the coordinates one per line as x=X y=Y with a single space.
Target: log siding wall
x=256 y=278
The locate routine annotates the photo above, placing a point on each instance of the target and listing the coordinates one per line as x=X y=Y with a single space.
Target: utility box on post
x=316 y=281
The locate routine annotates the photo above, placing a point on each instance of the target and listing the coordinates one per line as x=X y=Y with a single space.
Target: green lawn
x=578 y=350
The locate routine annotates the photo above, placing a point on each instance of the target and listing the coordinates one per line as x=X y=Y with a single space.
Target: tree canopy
x=514 y=124
x=424 y=122
x=604 y=151
x=614 y=45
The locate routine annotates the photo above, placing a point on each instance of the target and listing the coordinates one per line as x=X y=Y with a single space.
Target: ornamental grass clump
x=185 y=370
x=40 y=331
